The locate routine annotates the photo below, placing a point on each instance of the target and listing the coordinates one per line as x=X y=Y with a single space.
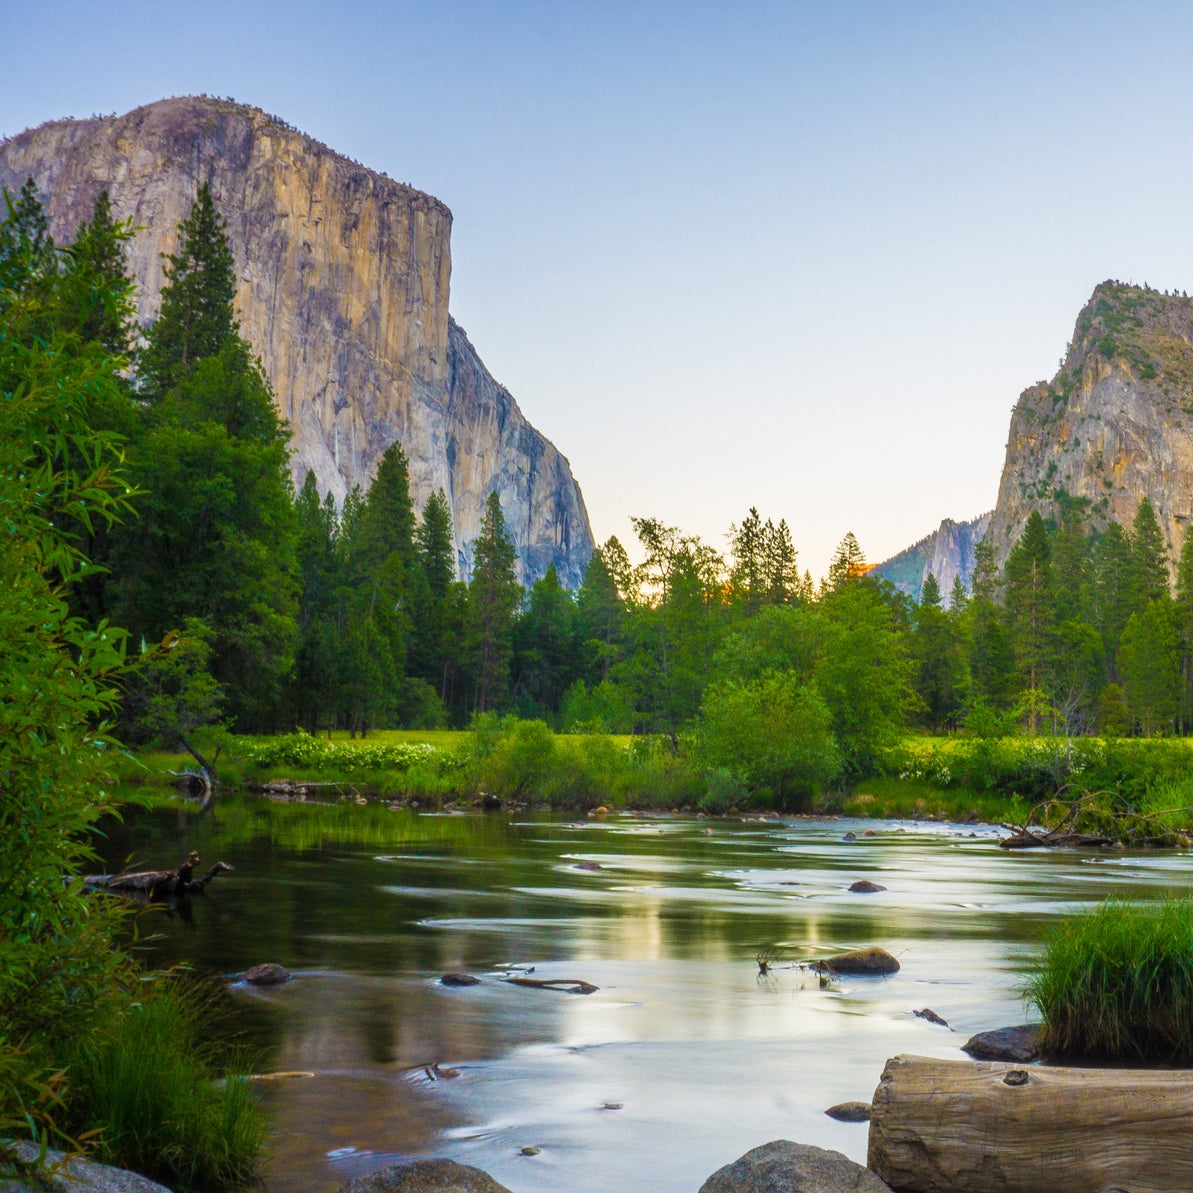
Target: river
x=683 y=1059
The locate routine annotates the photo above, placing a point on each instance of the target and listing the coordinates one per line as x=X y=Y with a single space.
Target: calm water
x=683 y=1059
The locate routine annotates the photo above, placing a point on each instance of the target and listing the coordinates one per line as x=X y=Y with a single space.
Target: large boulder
x=786 y=1167
x=1019 y=1044
x=426 y=1176
x=865 y=961
x=73 y=1176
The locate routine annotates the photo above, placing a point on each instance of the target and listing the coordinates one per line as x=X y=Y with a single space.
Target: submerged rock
x=860 y=961
x=1018 y=1044
x=864 y=886
x=785 y=1167
x=426 y=1176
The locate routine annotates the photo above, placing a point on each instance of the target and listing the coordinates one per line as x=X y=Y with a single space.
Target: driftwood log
x=940 y=1126
x=567 y=985
x=157 y=884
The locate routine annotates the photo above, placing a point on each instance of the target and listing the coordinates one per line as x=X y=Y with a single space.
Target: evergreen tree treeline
x=323 y=617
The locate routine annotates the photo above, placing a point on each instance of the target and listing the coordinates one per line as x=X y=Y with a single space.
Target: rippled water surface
x=683 y=1059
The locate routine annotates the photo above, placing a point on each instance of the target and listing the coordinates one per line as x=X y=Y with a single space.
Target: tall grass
x=152 y=1082
x=1117 y=983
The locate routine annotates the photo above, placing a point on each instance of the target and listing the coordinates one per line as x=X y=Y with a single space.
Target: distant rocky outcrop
x=946 y=553
x=1113 y=426
x=344 y=277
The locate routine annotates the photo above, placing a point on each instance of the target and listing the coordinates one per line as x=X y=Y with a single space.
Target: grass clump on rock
x=1117 y=984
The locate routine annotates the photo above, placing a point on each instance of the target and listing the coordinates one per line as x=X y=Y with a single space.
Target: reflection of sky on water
x=697 y=1055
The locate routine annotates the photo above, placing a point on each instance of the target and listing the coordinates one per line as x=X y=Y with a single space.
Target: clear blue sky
x=799 y=256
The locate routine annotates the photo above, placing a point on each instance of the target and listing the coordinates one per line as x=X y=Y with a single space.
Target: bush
x=316 y=753
x=1117 y=984
x=149 y=1080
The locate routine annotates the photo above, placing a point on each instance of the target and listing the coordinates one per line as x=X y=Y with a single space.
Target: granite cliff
x=344 y=280
x=1113 y=426
x=946 y=553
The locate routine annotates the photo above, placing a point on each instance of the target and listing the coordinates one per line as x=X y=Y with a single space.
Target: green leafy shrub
x=1117 y=983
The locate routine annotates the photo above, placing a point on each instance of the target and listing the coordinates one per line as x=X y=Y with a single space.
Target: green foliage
x=157 y=1088
x=773 y=732
x=306 y=752
x=1117 y=984
x=494 y=596
x=196 y=320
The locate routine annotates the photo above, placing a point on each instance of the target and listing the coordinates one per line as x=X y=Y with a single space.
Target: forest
x=265 y=610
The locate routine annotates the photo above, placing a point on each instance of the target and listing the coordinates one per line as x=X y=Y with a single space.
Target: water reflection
x=683 y=1059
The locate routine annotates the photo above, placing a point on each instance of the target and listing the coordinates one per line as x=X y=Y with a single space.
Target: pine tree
x=849 y=563
x=217 y=535
x=1149 y=556
x=746 y=544
x=494 y=596
x=1031 y=609
x=98 y=280
x=780 y=564
x=1114 y=589
x=197 y=316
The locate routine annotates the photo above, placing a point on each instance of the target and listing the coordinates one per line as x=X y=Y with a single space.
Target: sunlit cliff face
x=343 y=288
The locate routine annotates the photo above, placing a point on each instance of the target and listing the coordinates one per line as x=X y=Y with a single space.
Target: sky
x=796 y=256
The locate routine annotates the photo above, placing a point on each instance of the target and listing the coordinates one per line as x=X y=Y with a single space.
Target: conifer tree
x=780 y=564
x=494 y=596
x=1030 y=608
x=98 y=281
x=197 y=316
x=1149 y=556
x=1114 y=589
x=848 y=564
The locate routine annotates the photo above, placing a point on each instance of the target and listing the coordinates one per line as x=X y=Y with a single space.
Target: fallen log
x=567 y=985
x=157 y=884
x=988 y=1127
x=1026 y=839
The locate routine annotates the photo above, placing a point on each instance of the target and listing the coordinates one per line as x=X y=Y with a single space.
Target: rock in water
x=269 y=974
x=343 y=279
x=860 y=961
x=426 y=1176
x=864 y=886
x=459 y=979
x=850 y=1112
x=1019 y=1044
x=786 y=1167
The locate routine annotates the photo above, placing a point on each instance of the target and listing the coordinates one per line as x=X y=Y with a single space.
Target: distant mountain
x=344 y=277
x=946 y=553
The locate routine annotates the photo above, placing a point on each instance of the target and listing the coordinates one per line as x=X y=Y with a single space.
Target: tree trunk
x=940 y=1126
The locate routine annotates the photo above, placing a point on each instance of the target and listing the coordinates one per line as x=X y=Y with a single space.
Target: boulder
x=864 y=886
x=269 y=974
x=75 y=1176
x=863 y=961
x=786 y=1167
x=426 y=1176
x=1019 y=1044
x=850 y=1112
x=459 y=979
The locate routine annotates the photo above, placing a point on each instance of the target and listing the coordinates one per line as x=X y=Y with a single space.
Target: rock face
x=946 y=553
x=1113 y=426
x=343 y=290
